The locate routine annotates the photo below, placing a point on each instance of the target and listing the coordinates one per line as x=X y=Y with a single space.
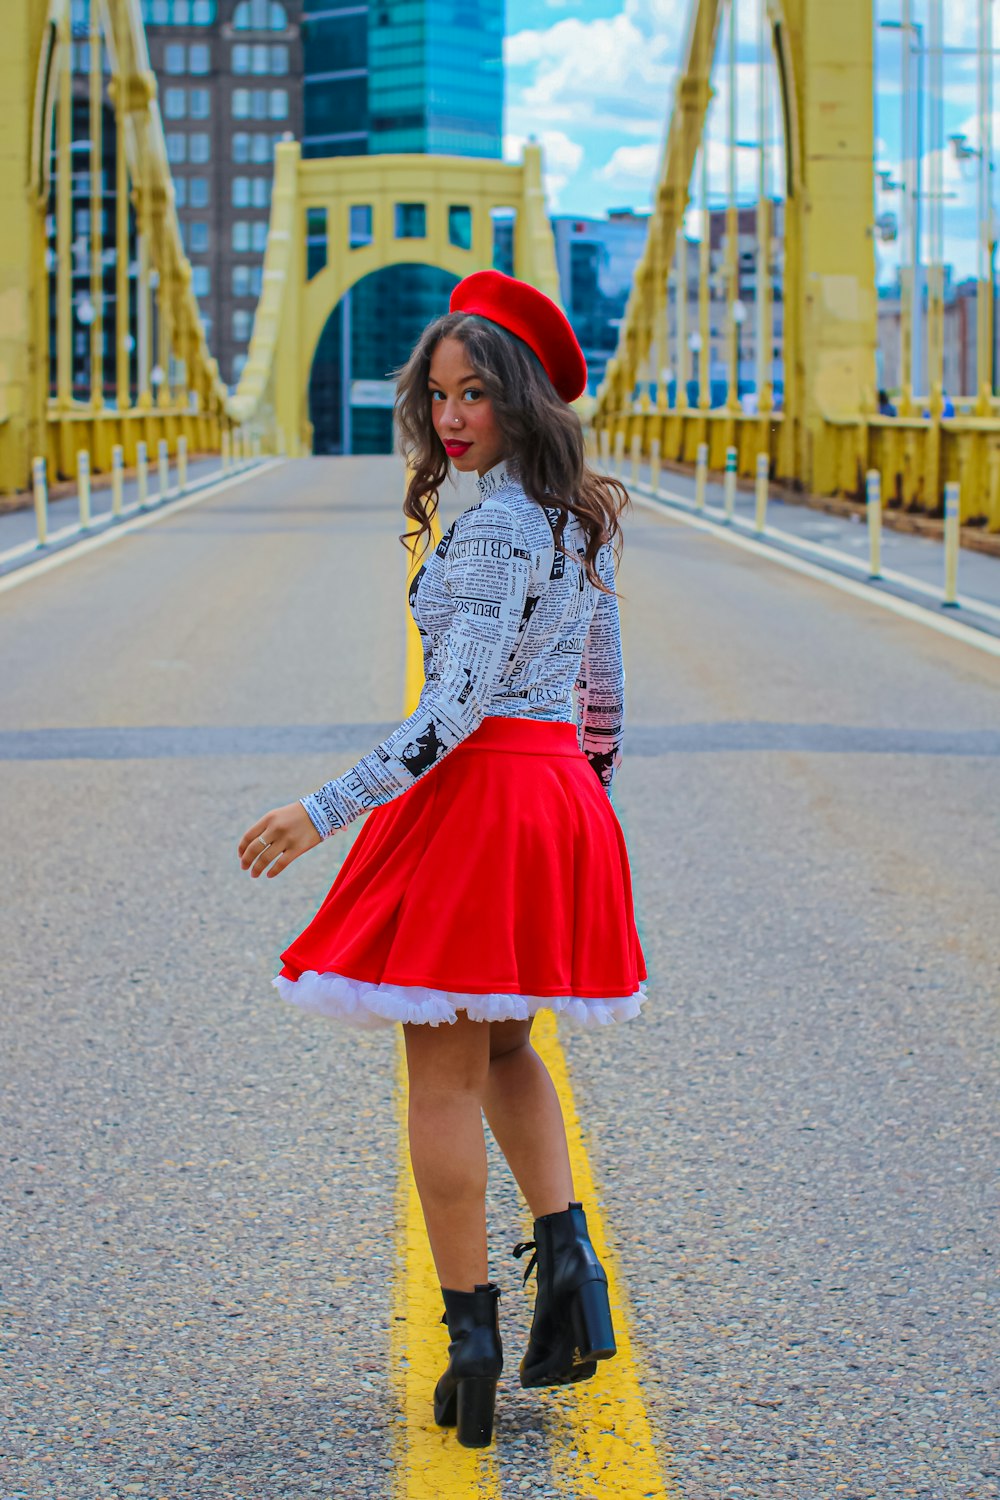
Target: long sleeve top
x=509 y=626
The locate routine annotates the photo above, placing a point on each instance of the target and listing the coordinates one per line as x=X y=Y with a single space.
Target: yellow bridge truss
x=165 y=382
x=829 y=431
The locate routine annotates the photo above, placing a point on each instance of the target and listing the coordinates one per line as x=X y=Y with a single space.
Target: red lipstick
x=455 y=449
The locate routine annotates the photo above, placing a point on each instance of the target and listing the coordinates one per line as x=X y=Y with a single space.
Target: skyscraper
x=392 y=76
x=230 y=87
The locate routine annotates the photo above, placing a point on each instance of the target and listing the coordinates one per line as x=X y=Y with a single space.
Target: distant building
x=229 y=74
x=960 y=338
x=597 y=261
x=391 y=76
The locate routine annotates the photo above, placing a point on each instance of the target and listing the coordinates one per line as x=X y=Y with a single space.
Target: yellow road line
x=601 y=1439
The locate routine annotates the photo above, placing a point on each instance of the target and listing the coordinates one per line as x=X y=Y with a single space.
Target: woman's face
x=461 y=410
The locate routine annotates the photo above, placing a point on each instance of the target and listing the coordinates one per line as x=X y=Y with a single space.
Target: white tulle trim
x=372 y=1005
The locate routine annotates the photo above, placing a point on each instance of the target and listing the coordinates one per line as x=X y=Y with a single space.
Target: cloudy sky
x=593 y=80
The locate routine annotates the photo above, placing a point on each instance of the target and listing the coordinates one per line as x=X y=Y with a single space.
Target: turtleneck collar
x=494 y=479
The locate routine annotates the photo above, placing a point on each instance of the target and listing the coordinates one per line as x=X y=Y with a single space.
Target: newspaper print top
x=509 y=626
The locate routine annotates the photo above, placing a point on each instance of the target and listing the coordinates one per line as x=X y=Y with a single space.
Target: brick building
x=229 y=74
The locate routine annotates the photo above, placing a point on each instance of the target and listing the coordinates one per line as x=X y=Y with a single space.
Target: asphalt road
x=796 y=1142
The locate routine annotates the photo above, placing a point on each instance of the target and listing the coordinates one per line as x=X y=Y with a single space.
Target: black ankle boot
x=571 y=1329
x=466 y=1393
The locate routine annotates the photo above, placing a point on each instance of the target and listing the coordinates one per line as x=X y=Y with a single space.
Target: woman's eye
x=436 y=394
x=473 y=393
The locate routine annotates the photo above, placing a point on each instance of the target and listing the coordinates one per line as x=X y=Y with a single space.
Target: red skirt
x=497 y=884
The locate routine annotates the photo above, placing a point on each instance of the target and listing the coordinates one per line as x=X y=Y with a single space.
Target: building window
x=278 y=104
x=198 y=236
x=261 y=64
x=176 y=146
x=279 y=58
x=178 y=12
x=241 y=281
x=199 y=147
x=198 y=192
x=258 y=235
x=175 y=103
x=241 y=192
x=199 y=104
x=198 y=57
x=241 y=58
x=241 y=234
x=315 y=241
x=411 y=221
x=239 y=361
x=460 y=227
x=201 y=280
x=242 y=323
x=260 y=15
x=241 y=146
x=180 y=191
x=241 y=104
x=262 y=192
x=261 y=148
x=360 y=225
x=174 y=60
x=256 y=280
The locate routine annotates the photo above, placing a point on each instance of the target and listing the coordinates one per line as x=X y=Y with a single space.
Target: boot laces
x=521 y=1249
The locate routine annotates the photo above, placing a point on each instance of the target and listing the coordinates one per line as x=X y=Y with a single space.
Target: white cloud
x=631 y=165
x=615 y=72
x=561 y=157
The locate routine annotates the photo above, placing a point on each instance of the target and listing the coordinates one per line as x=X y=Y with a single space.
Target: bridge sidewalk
x=912 y=564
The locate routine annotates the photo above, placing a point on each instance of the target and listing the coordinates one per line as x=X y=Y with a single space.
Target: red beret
x=537 y=320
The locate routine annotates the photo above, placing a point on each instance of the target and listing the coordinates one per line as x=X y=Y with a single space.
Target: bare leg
x=525 y=1116
x=448 y=1067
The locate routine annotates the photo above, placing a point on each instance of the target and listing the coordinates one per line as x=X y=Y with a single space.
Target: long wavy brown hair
x=544 y=439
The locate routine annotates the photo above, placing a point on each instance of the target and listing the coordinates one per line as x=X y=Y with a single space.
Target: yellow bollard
x=654 y=465
x=763 y=477
x=40 y=485
x=182 y=465
x=83 y=486
x=701 y=477
x=141 y=473
x=729 y=485
x=619 y=465
x=952 y=539
x=873 y=505
x=163 y=458
x=117 y=464
x=226 y=451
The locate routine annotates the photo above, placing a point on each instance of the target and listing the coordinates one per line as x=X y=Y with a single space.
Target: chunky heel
x=465 y=1396
x=476 y=1402
x=593 y=1332
x=571 y=1328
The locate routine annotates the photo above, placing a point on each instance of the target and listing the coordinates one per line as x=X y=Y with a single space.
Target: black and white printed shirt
x=509 y=626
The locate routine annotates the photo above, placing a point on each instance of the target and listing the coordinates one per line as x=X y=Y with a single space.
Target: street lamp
x=694 y=344
x=739 y=312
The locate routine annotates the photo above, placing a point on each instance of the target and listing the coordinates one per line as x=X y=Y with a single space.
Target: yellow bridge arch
x=294 y=307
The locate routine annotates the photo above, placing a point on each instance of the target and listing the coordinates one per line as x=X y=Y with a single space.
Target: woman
x=491 y=878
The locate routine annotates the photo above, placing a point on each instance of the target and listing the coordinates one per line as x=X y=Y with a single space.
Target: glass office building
x=392 y=76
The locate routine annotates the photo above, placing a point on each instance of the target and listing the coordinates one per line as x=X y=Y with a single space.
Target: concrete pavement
x=795 y=1146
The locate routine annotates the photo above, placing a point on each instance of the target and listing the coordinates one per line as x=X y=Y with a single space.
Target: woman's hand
x=287 y=832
